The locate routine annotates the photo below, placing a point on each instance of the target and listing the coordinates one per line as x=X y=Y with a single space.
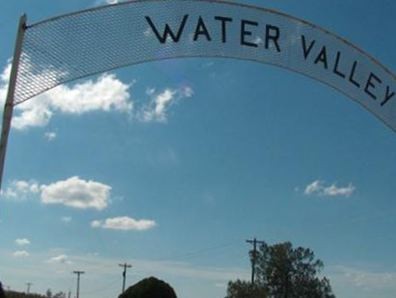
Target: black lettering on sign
x=388 y=95
x=336 y=70
x=201 y=30
x=322 y=57
x=352 y=74
x=223 y=21
x=245 y=32
x=272 y=33
x=306 y=50
x=371 y=85
x=168 y=31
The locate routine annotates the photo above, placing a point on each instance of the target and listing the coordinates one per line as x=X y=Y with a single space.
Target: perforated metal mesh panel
x=77 y=45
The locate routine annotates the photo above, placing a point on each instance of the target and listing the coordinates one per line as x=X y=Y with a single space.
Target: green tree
x=284 y=272
x=244 y=289
x=149 y=288
x=13 y=294
x=48 y=294
x=59 y=295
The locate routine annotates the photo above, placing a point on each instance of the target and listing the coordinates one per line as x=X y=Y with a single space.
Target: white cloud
x=314 y=187
x=124 y=223
x=50 y=136
x=150 y=91
x=34 y=112
x=104 y=2
x=333 y=190
x=66 y=219
x=318 y=187
x=258 y=40
x=22 y=241
x=72 y=192
x=77 y=193
x=371 y=279
x=20 y=190
x=106 y=93
x=148 y=32
x=221 y=285
x=21 y=254
x=96 y=224
x=365 y=279
x=4 y=77
x=208 y=64
x=61 y=259
x=159 y=105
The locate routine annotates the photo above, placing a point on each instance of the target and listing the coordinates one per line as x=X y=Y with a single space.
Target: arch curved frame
x=76 y=45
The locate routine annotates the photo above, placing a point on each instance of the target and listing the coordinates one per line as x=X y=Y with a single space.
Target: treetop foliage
x=13 y=294
x=149 y=288
x=283 y=272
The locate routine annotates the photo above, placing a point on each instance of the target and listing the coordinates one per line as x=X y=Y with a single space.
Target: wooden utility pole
x=254 y=242
x=125 y=266
x=78 y=281
x=28 y=284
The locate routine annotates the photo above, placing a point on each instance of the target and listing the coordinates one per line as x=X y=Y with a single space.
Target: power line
x=254 y=242
x=125 y=266
x=78 y=281
x=199 y=252
x=104 y=286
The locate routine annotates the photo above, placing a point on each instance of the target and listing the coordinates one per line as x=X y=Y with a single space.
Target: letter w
x=168 y=31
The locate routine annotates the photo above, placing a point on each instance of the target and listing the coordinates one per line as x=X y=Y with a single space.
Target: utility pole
x=125 y=266
x=78 y=281
x=28 y=284
x=254 y=242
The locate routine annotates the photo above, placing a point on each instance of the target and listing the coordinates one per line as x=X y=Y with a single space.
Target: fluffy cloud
x=66 y=219
x=61 y=259
x=106 y=93
x=77 y=193
x=4 y=77
x=104 y=2
x=124 y=223
x=32 y=113
x=50 y=136
x=156 y=110
x=318 y=187
x=364 y=279
x=22 y=241
x=72 y=192
x=20 y=190
x=21 y=254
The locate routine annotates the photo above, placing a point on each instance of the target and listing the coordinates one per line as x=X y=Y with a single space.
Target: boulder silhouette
x=149 y=288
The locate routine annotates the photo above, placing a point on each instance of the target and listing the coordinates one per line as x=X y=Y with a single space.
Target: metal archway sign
x=72 y=46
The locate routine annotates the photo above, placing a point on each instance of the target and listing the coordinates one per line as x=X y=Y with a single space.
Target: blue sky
x=193 y=157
